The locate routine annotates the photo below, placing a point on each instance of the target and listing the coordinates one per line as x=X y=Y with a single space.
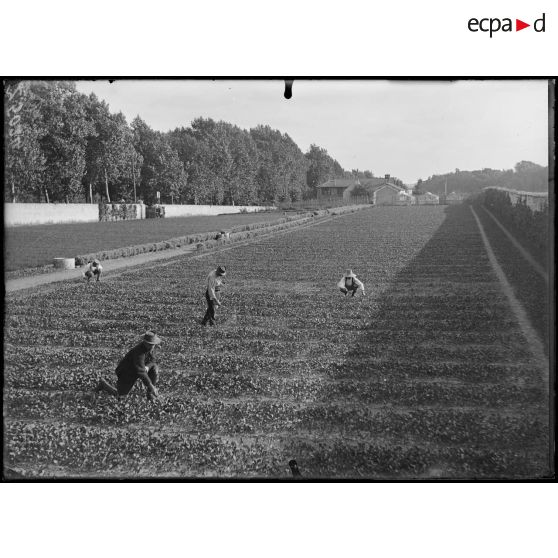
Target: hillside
x=525 y=176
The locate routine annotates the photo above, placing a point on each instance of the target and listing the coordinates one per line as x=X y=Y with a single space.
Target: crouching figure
x=350 y=284
x=93 y=269
x=138 y=364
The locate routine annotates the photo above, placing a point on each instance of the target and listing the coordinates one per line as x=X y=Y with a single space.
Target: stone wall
x=44 y=213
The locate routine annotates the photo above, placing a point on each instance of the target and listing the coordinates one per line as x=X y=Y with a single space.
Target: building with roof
x=404 y=197
x=379 y=190
x=428 y=198
x=454 y=198
x=387 y=194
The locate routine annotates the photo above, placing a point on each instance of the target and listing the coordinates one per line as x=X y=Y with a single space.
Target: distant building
x=334 y=188
x=388 y=194
x=404 y=198
x=454 y=198
x=379 y=190
x=428 y=198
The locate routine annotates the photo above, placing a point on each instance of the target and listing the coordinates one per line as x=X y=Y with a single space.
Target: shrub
x=206 y=240
x=530 y=227
x=154 y=212
x=117 y=211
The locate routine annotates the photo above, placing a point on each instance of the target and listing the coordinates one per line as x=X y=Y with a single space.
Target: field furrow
x=428 y=375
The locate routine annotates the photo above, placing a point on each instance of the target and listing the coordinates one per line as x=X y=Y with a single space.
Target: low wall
x=43 y=213
x=185 y=210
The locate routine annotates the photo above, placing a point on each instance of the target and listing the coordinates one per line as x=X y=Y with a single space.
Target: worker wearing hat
x=93 y=268
x=350 y=284
x=214 y=283
x=137 y=364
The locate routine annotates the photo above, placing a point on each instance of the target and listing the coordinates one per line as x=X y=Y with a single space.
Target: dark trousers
x=210 y=312
x=347 y=290
x=125 y=383
x=97 y=273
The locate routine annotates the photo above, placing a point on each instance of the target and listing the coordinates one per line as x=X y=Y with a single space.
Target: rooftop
x=347 y=182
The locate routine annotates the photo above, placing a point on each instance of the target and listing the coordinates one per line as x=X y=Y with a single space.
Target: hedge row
x=528 y=226
x=207 y=240
x=117 y=211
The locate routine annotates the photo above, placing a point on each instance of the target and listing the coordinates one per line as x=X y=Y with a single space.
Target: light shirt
x=213 y=281
x=90 y=267
x=356 y=282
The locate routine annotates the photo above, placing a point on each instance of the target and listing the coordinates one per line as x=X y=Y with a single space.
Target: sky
x=409 y=129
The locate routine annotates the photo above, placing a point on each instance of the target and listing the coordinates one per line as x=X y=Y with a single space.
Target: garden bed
x=427 y=376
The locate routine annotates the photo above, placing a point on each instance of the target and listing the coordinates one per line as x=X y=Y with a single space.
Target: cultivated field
x=529 y=286
x=32 y=246
x=427 y=376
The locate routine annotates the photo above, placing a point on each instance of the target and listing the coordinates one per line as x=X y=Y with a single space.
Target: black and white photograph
x=278 y=279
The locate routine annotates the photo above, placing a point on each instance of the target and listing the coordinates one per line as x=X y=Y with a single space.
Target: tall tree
x=321 y=167
x=60 y=133
x=161 y=169
x=217 y=156
x=145 y=140
x=111 y=155
x=240 y=183
x=171 y=178
x=295 y=169
x=282 y=166
x=526 y=176
x=531 y=177
x=65 y=146
x=25 y=161
x=192 y=153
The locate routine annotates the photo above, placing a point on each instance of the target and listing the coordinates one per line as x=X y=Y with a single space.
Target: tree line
x=65 y=146
x=525 y=176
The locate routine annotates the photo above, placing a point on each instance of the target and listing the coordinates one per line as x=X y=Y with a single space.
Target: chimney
x=387 y=177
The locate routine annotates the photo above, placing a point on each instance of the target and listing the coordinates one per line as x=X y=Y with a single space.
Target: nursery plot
x=36 y=245
x=426 y=376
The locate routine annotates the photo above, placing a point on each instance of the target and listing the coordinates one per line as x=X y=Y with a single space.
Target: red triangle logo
x=519 y=25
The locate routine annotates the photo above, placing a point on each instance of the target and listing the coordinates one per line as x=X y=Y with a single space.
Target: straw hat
x=349 y=273
x=151 y=338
